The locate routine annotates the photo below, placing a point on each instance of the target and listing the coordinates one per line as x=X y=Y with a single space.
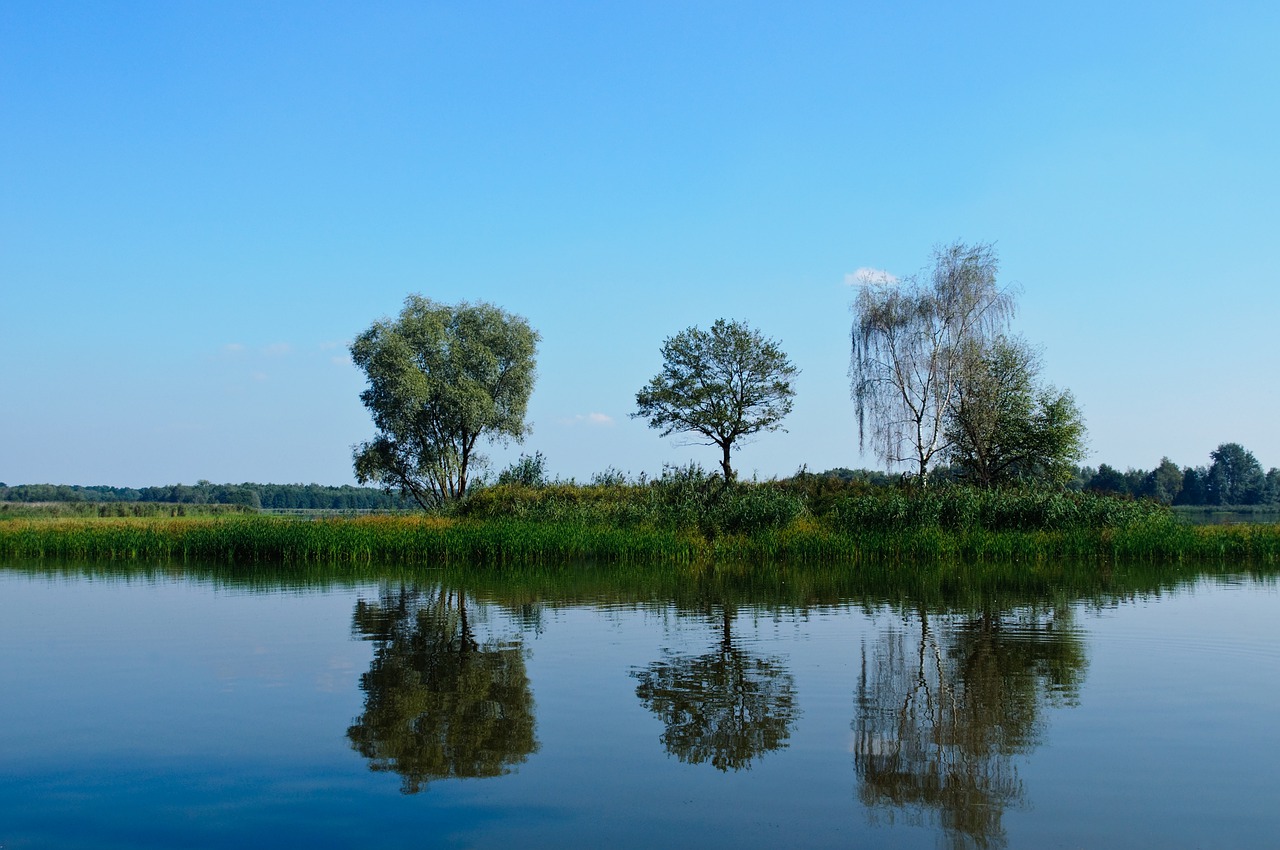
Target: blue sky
x=202 y=203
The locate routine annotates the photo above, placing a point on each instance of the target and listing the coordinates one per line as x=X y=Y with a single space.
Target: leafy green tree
x=1002 y=428
x=1193 y=486
x=441 y=377
x=1108 y=479
x=725 y=385
x=1164 y=483
x=1235 y=477
x=909 y=343
x=1273 y=486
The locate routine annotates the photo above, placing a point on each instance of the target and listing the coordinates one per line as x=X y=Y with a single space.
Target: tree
x=440 y=378
x=1109 y=480
x=1164 y=483
x=1193 y=486
x=725 y=385
x=1273 y=486
x=1235 y=477
x=1002 y=428
x=909 y=341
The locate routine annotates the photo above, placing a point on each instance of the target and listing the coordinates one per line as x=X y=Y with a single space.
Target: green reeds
x=440 y=541
x=402 y=540
x=86 y=510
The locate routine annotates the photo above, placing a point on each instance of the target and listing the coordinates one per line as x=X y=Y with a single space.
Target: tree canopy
x=1002 y=428
x=441 y=377
x=724 y=384
x=1235 y=477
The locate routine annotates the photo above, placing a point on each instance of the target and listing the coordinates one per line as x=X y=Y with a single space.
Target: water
x=163 y=709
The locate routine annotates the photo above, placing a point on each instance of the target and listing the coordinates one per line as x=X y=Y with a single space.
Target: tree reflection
x=944 y=707
x=726 y=707
x=438 y=704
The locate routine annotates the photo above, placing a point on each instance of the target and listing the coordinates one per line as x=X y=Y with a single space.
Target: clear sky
x=202 y=203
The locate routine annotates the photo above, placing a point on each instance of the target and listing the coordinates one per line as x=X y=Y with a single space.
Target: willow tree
x=441 y=378
x=725 y=385
x=909 y=344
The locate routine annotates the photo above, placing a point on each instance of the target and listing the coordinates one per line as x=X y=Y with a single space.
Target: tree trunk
x=724 y=464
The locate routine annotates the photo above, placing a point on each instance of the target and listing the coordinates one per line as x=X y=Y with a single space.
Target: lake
x=169 y=707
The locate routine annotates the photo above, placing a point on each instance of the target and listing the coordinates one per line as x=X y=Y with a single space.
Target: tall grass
x=54 y=510
x=685 y=517
x=683 y=499
x=511 y=542
x=409 y=540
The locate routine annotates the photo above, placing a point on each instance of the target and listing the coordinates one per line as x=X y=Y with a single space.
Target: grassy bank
x=439 y=541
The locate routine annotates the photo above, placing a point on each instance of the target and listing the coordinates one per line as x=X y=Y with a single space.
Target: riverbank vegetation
x=686 y=517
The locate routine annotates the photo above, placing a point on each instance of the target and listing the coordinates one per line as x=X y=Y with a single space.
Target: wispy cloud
x=593 y=419
x=867 y=276
x=232 y=348
x=278 y=349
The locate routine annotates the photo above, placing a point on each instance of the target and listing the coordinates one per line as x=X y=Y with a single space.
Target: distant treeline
x=270 y=496
x=1233 y=477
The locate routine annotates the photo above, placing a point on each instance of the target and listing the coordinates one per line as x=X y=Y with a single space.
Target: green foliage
x=1164 y=483
x=1235 y=477
x=724 y=385
x=527 y=471
x=966 y=509
x=609 y=477
x=84 y=510
x=684 y=498
x=1002 y=428
x=440 y=378
x=860 y=535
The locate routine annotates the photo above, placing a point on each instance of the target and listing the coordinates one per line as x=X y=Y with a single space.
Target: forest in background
x=1233 y=477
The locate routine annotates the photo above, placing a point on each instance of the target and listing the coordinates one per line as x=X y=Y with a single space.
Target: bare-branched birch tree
x=909 y=340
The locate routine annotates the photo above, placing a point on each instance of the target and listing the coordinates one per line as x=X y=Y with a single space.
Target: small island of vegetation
x=939 y=384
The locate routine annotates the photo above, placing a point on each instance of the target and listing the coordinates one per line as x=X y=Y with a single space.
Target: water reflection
x=438 y=704
x=726 y=707
x=946 y=703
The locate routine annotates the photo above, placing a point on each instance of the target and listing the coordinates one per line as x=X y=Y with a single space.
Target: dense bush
x=684 y=498
x=968 y=509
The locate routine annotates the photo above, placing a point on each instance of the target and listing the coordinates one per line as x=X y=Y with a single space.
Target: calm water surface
x=155 y=709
